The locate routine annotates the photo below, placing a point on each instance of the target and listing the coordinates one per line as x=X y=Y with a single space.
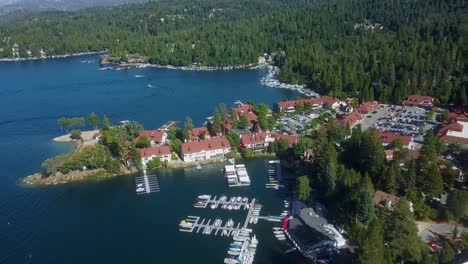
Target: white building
x=204 y=149
x=147 y=154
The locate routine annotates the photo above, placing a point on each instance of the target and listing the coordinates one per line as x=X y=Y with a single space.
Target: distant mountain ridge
x=32 y=6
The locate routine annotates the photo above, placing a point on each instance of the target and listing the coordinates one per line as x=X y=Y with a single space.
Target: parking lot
x=298 y=123
x=402 y=120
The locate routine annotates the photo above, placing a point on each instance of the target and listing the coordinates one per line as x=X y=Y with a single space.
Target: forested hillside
x=382 y=49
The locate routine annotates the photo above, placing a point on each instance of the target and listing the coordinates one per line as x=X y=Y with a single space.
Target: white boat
x=233 y=253
x=281 y=238
x=140 y=189
x=150 y=86
x=239 y=199
x=233 y=199
x=234 y=249
x=255 y=220
x=277 y=228
x=254 y=240
x=245 y=199
x=230 y=207
x=204 y=196
x=229 y=223
x=278 y=232
x=198 y=166
x=213 y=206
x=230 y=261
x=237 y=243
x=225 y=232
x=140 y=185
x=224 y=206
x=223 y=198
x=139 y=76
x=247 y=206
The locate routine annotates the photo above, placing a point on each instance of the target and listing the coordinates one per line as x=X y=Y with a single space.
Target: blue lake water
x=105 y=222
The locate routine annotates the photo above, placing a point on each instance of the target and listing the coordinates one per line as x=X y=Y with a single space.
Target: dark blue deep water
x=105 y=222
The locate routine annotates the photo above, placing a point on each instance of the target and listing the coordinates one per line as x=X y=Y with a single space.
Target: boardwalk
x=146 y=184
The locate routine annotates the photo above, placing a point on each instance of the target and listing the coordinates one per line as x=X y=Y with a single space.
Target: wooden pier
x=216 y=202
x=146 y=184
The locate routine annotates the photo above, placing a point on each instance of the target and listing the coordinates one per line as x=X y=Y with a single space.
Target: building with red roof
x=256 y=141
x=162 y=152
x=156 y=137
x=455 y=132
x=419 y=100
x=196 y=133
x=324 y=101
x=352 y=119
x=261 y=140
x=388 y=138
x=204 y=149
x=366 y=107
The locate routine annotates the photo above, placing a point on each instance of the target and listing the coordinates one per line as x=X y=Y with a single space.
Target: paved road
x=428 y=230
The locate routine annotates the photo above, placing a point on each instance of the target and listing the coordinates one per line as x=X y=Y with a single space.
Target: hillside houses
x=261 y=141
x=388 y=138
x=324 y=101
x=456 y=128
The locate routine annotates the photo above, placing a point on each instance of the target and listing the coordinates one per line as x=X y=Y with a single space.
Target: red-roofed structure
x=261 y=140
x=351 y=119
x=388 y=138
x=290 y=106
x=195 y=133
x=204 y=149
x=366 y=107
x=155 y=136
x=454 y=132
x=162 y=152
x=419 y=100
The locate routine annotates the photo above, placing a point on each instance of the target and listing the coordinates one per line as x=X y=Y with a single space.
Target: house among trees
x=162 y=152
x=423 y=101
x=390 y=154
x=387 y=201
x=388 y=138
x=156 y=137
x=324 y=101
x=204 y=149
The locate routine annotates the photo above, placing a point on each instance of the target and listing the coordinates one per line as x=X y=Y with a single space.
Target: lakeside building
x=248 y=110
x=162 y=152
x=261 y=140
x=204 y=149
x=312 y=233
x=423 y=101
x=156 y=137
x=199 y=133
x=388 y=138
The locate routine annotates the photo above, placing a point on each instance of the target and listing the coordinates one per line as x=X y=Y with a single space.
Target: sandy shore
x=85 y=135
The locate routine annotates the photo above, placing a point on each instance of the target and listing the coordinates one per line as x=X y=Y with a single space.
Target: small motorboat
x=213 y=206
x=234 y=249
x=239 y=199
x=281 y=238
x=230 y=207
x=233 y=253
x=278 y=232
x=277 y=228
x=140 y=189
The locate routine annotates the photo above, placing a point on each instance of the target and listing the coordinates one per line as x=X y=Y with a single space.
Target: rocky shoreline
x=272 y=80
x=74 y=176
x=77 y=54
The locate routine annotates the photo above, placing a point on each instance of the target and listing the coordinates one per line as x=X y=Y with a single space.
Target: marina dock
x=274 y=174
x=146 y=183
x=243 y=248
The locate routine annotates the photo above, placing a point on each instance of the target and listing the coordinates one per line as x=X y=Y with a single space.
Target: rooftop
x=155 y=151
x=205 y=145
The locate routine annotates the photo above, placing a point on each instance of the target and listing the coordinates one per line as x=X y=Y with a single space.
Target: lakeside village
x=382 y=162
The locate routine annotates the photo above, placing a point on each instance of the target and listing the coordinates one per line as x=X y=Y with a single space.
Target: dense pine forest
x=374 y=50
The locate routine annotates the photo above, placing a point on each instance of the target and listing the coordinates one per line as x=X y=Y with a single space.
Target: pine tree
x=402 y=234
x=371 y=248
x=303 y=188
x=105 y=123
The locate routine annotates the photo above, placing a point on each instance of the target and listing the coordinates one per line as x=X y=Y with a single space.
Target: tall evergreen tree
x=371 y=248
x=402 y=234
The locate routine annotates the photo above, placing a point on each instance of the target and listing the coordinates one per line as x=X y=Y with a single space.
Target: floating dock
x=274 y=174
x=236 y=175
x=223 y=202
x=146 y=184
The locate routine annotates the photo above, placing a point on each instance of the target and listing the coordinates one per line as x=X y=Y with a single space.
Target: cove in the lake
x=105 y=221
